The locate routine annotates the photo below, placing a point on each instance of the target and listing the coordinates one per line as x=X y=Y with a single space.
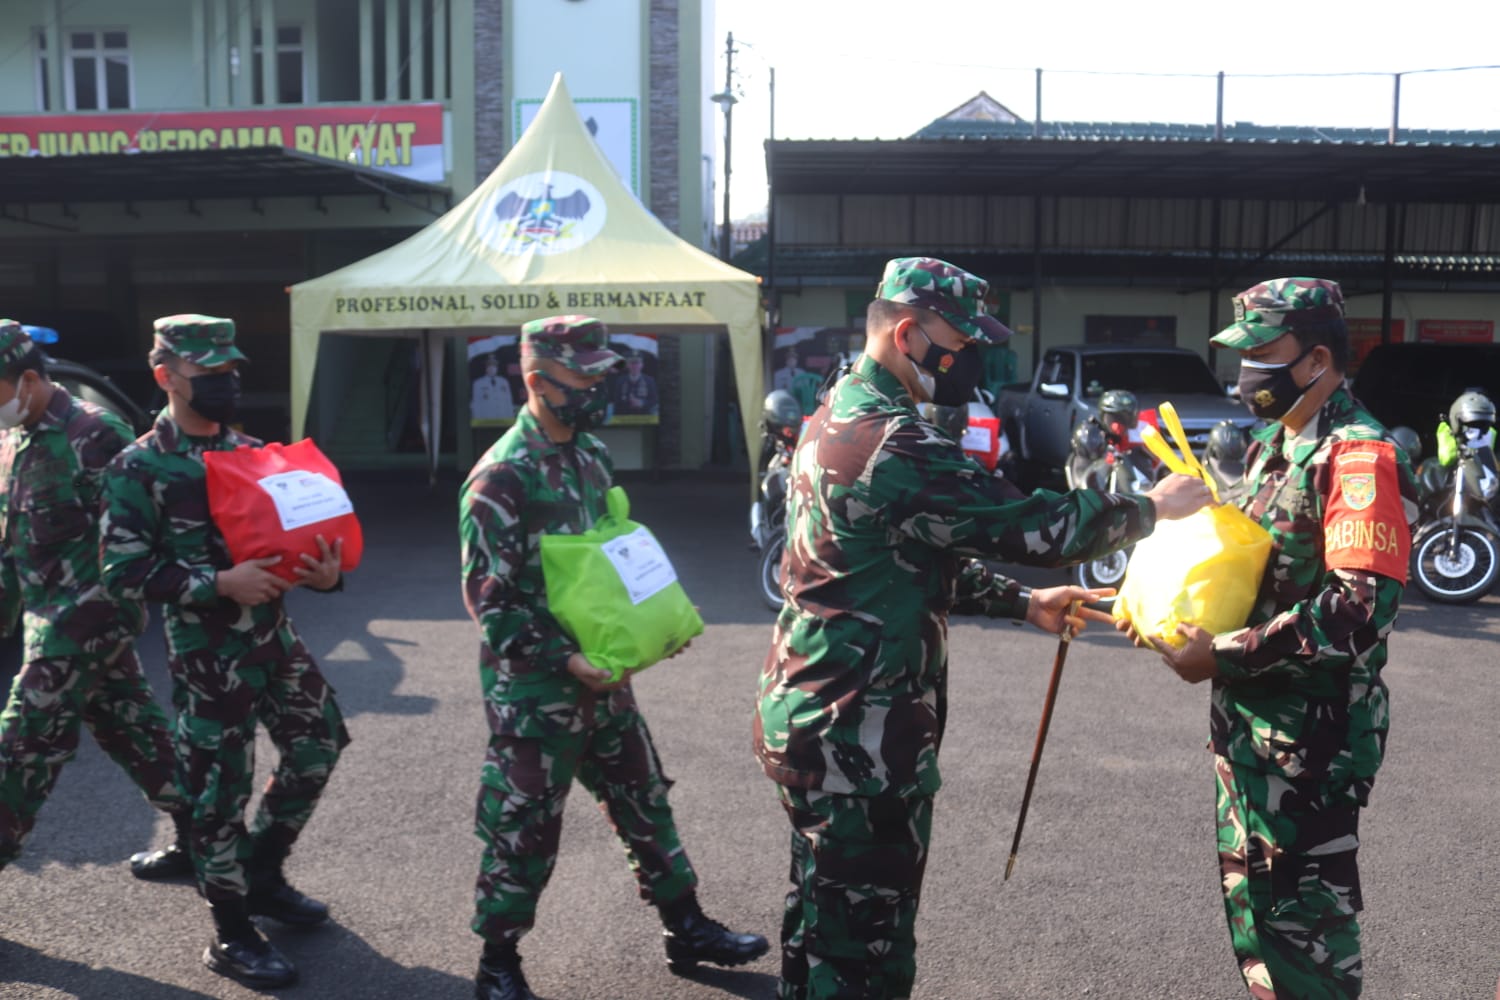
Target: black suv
x=1413 y=385
x=88 y=384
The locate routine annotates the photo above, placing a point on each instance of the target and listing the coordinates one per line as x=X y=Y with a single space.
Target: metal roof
x=258 y=172
x=1125 y=160
x=1181 y=268
x=958 y=128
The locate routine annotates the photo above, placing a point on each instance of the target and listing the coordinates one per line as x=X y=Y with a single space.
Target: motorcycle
x=1456 y=549
x=1224 y=455
x=1102 y=457
x=781 y=423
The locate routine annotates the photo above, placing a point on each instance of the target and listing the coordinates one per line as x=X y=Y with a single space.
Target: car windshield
x=1148 y=373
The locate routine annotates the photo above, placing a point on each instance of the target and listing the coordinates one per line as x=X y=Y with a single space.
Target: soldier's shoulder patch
x=1364 y=521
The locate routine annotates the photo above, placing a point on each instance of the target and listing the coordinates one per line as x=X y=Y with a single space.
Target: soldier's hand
x=1049 y=609
x=323 y=572
x=1195 y=662
x=251 y=583
x=1177 y=496
x=592 y=677
x=1128 y=627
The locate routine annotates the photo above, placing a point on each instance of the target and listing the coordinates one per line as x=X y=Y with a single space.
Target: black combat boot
x=692 y=938
x=174 y=861
x=500 y=975
x=270 y=894
x=239 y=952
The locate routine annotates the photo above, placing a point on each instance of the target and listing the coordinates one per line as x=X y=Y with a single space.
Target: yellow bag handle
x=1157 y=445
x=1188 y=464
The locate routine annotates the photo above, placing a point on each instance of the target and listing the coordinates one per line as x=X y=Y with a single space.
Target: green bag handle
x=617 y=504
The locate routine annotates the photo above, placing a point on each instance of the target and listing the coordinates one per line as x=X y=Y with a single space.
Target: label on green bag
x=642 y=565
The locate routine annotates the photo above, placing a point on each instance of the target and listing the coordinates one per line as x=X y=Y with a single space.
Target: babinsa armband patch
x=1364 y=524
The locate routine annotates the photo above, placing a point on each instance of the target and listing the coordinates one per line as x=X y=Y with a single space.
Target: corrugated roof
x=1129 y=165
x=1237 y=132
x=254 y=172
x=795 y=263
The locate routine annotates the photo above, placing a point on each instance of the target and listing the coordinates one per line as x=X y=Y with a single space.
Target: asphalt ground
x=1115 y=893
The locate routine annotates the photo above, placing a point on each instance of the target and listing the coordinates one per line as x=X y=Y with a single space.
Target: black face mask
x=948 y=377
x=581 y=409
x=215 y=396
x=1270 y=390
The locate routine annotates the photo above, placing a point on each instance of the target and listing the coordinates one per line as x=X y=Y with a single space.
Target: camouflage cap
x=951 y=292
x=1265 y=311
x=578 y=343
x=203 y=340
x=15 y=343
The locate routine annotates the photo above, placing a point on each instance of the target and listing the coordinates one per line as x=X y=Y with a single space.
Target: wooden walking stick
x=1041 y=735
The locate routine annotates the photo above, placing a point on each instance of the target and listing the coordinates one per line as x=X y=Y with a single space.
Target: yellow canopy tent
x=552 y=230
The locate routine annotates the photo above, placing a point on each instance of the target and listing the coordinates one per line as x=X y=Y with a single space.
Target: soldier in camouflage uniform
x=234 y=656
x=1299 y=711
x=79 y=662
x=886 y=522
x=552 y=715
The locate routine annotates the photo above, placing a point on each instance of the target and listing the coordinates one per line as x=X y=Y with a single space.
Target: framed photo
x=802 y=357
x=497 y=392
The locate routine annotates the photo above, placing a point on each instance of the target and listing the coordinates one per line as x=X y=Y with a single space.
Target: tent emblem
x=545 y=213
x=542 y=218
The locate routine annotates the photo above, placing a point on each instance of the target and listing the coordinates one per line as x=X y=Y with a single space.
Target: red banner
x=405 y=139
x=1364 y=334
x=1456 y=331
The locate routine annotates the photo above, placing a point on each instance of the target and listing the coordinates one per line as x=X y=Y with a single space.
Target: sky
x=882 y=69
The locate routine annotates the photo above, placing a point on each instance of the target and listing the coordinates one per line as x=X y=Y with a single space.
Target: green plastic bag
x=615 y=593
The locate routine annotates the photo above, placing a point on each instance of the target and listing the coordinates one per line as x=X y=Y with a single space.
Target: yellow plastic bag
x=1202 y=570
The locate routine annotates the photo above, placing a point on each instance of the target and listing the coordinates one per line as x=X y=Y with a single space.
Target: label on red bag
x=1364 y=525
x=304 y=498
x=643 y=567
x=979 y=438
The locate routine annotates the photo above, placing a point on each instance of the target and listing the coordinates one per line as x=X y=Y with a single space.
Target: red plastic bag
x=276 y=500
x=982 y=441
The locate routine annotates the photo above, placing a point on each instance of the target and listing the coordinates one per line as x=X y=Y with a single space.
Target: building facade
x=168 y=156
x=1139 y=232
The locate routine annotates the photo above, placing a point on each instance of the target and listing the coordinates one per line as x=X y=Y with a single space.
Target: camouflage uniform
x=231 y=665
x=886 y=521
x=1300 y=713
x=79 y=662
x=546 y=728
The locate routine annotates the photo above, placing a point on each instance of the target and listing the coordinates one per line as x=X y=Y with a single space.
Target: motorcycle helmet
x=1119 y=412
x=781 y=415
x=1431 y=478
x=1408 y=441
x=1226 y=443
x=1471 y=409
x=1089 y=442
x=951 y=420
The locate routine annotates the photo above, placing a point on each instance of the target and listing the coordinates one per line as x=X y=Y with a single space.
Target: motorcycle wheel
x=1105 y=572
x=1465 y=576
x=770 y=572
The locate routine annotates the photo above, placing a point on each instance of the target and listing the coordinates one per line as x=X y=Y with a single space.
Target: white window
x=43 y=84
x=290 y=66
x=97 y=74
